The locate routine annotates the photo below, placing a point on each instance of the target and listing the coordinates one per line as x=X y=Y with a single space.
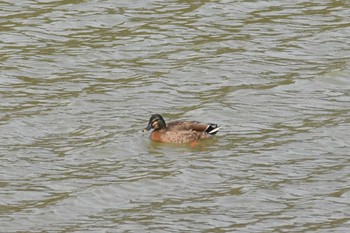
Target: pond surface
x=80 y=79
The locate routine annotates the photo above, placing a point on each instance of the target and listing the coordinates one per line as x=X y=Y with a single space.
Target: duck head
x=155 y=122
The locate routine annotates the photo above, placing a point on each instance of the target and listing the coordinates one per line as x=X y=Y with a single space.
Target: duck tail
x=212 y=129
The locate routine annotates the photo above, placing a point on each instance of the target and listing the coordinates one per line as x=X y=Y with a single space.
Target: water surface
x=80 y=79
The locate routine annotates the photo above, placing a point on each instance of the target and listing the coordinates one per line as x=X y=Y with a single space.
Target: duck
x=179 y=131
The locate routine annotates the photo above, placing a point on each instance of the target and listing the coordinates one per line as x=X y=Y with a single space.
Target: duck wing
x=187 y=126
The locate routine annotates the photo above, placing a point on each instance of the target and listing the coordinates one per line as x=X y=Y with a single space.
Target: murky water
x=79 y=80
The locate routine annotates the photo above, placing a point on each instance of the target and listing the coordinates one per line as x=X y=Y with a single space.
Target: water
x=80 y=79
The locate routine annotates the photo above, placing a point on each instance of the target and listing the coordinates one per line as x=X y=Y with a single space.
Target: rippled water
x=79 y=80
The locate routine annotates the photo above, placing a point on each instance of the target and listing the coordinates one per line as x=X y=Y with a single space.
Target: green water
x=80 y=79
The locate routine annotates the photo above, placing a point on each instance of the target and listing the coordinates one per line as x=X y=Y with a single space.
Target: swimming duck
x=179 y=131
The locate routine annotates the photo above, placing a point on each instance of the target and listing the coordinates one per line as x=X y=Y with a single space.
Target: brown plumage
x=179 y=131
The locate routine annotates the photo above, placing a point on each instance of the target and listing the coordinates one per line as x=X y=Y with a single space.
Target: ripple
x=79 y=81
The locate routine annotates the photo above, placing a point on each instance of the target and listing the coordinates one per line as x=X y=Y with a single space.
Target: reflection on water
x=80 y=79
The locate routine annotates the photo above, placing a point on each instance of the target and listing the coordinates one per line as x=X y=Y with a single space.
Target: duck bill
x=149 y=126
